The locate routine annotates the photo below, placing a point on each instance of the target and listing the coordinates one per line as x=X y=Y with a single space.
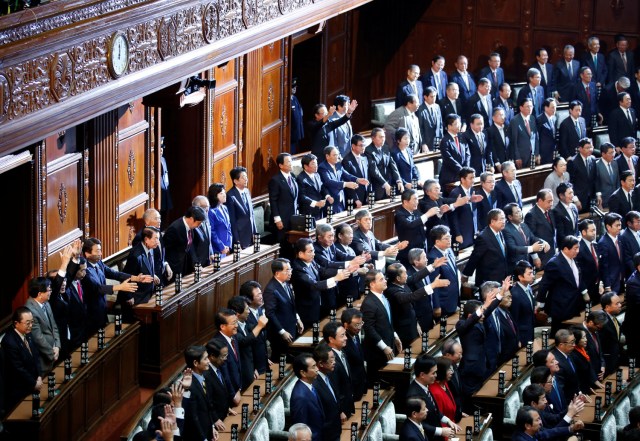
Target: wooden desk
x=80 y=404
x=187 y=318
x=485 y=425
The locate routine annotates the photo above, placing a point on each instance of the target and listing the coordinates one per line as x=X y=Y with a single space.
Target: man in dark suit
x=542 y=224
x=595 y=61
x=181 y=241
x=410 y=86
x=523 y=136
x=241 y=216
x=534 y=91
x=328 y=392
x=436 y=76
x=351 y=320
x=582 y=171
x=565 y=213
x=142 y=260
x=336 y=179
x=572 y=130
x=481 y=157
x=562 y=292
x=198 y=423
x=523 y=306
x=452 y=350
x=335 y=336
x=502 y=341
x=95 y=287
x=379 y=156
x=365 y=241
x=529 y=427
x=464 y=218
x=634 y=90
x=424 y=369
x=226 y=322
x=593 y=323
x=283 y=196
x=489 y=198
x=454 y=150
x=252 y=291
x=623 y=121
x=481 y=103
x=522 y=244
x=380 y=342
x=433 y=199
x=404 y=117
x=504 y=100
x=632 y=304
x=566 y=376
x=607 y=174
x=463 y=79
x=306 y=406
x=498 y=138
x=621 y=200
x=493 y=72
x=621 y=63
x=325 y=128
x=203 y=246
x=508 y=189
x=611 y=253
x=44 y=333
x=342 y=132
x=489 y=256
x=314 y=195
x=611 y=334
x=587 y=94
x=430 y=120
x=445 y=298
x=21 y=360
x=630 y=241
x=566 y=74
x=309 y=279
x=426 y=307
x=546 y=124
x=219 y=399
x=451 y=103
x=279 y=303
x=546 y=71
x=413 y=429
x=410 y=223
x=356 y=163
x=588 y=259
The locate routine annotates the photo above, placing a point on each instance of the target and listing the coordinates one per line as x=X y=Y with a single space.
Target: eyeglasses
x=28 y=322
x=570 y=342
x=358 y=325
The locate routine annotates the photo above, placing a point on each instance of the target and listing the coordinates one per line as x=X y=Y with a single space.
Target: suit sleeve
x=479 y=249
x=512 y=246
x=38 y=339
x=12 y=352
x=270 y=308
x=606 y=275
x=274 y=196
x=369 y=318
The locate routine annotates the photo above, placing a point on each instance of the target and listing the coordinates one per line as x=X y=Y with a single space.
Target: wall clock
x=118 y=54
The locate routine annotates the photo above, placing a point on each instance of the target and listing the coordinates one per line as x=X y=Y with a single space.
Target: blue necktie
x=499 y=239
x=385 y=302
x=326 y=380
x=220 y=376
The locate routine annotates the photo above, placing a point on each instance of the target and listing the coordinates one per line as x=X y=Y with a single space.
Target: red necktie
x=189 y=238
x=523 y=235
x=79 y=289
x=234 y=345
x=546 y=214
x=593 y=253
x=457 y=144
x=526 y=124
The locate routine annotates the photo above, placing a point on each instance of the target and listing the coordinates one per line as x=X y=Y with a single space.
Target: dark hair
x=18 y=313
x=301 y=245
x=599 y=317
x=330 y=330
x=438 y=232
x=400 y=133
x=474 y=117
x=148 y=232
x=341 y=227
x=542 y=193
x=636 y=260
x=584 y=141
x=38 y=285
x=351 y=313
x=355 y=139
x=523 y=101
x=406 y=195
x=569 y=242
x=221 y=317
x=214 y=347
x=611 y=218
x=562 y=188
x=583 y=225
x=193 y=353
x=548 y=101
x=606 y=146
x=281 y=157
x=393 y=271
x=195 y=213
x=444 y=364
x=451 y=118
x=521 y=267
x=494 y=214
x=300 y=363
x=540 y=374
x=308 y=159
x=236 y=172
x=214 y=190
x=470 y=307
x=278 y=264
x=625 y=174
x=621 y=96
x=607 y=298
x=574 y=103
x=466 y=171
x=508 y=209
x=539 y=358
x=341 y=100
x=532 y=393
x=410 y=98
x=448 y=346
x=424 y=364
x=246 y=289
x=370 y=277
x=238 y=304
x=414 y=404
x=524 y=417
x=88 y=244
x=321 y=352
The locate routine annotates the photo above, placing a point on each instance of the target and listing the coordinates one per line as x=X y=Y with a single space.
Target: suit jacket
x=308 y=282
x=180 y=256
x=623 y=165
x=197 y=414
x=584 y=371
x=634 y=91
x=616 y=66
x=569 y=138
x=463 y=219
x=521 y=143
x=221 y=233
x=620 y=127
x=453 y=158
x=341 y=377
x=589 y=101
x=434 y=416
x=363 y=170
x=517 y=245
x=558 y=290
x=611 y=265
x=564 y=80
x=565 y=226
x=598 y=67
x=233 y=366
x=630 y=247
x=21 y=367
x=448 y=107
x=405 y=89
x=606 y=182
x=488 y=203
x=487 y=259
x=424 y=305
x=537 y=98
x=540 y=226
x=367 y=242
x=439 y=219
x=402 y=312
x=259 y=347
x=632 y=303
x=246 y=340
x=501 y=338
x=610 y=340
x=583 y=178
x=428 y=79
x=431 y=126
x=447 y=297
x=387 y=170
x=406 y=167
x=608 y=100
x=138 y=263
x=280 y=309
x=618 y=203
x=307 y=408
x=545 y=81
x=566 y=376
x=340 y=135
x=522 y=310
x=505 y=195
x=202 y=246
x=547 y=135
x=217 y=394
x=410 y=432
x=241 y=217
x=333 y=180
x=499 y=147
x=410 y=227
x=475 y=105
x=403 y=118
x=77 y=316
x=465 y=92
x=377 y=327
x=589 y=268
x=481 y=156
x=508 y=106
x=331 y=426
x=283 y=199
x=44 y=333
x=95 y=288
x=354 y=353
x=496 y=81
x=324 y=135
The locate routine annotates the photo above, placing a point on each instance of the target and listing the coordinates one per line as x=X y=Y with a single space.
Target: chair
x=561 y=115
x=388 y=421
x=286 y=396
x=511 y=405
x=135 y=431
x=524 y=383
x=275 y=418
x=375 y=432
x=260 y=430
x=634 y=395
x=487 y=435
x=144 y=422
x=608 y=431
x=380 y=109
x=621 y=412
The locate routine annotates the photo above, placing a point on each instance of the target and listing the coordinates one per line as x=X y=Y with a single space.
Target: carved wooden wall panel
x=224 y=161
x=271 y=105
x=336 y=55
x=225 y=133
x=612 y=16
x=494 y=39
x=131 y=167
x=62 y=143
x=499 y=11
x=445 y=9
x=562 y=14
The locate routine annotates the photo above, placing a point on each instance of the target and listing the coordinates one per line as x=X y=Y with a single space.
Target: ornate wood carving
x=223 y=121
x=131 y=168
x=270 y=98
x=63 y=202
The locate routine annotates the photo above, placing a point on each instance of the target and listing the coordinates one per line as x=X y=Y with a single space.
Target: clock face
x=118 y=56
